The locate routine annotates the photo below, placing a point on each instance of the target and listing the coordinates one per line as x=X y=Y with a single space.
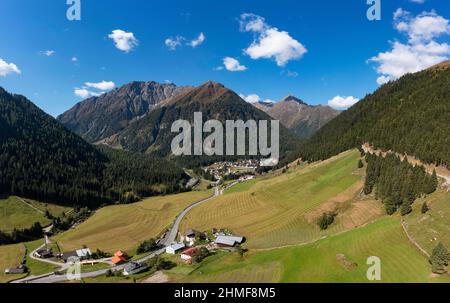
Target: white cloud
x=84 y=93
x=196 y=42
x=292 y=74
x=254 y=98
x=104 y=85
x=48 y=53
x=74 y=59
x=8 y=68
x=233 y=65
x=339 y=102
x=422 y=49
x=174 y=43
x=417 y=1
x=124 y=41
x=270 y=43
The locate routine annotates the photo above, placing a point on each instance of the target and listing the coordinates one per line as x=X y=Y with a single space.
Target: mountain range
x=151 y=131
x=99 y=117
x=298 y=116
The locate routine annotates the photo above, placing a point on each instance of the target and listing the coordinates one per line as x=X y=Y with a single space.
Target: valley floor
x=278 y=216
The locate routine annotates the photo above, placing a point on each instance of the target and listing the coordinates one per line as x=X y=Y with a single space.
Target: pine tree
x=439 y=259
x=425 y=208
x=360 y=164
x=405 y=209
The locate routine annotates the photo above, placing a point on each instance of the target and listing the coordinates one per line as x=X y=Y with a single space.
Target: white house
x=174 y=248
x=84 y=253
x=190 y=236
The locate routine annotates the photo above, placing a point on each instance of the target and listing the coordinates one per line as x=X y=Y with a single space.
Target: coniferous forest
x=41 y=159
x=397 y=183
x=411 y=115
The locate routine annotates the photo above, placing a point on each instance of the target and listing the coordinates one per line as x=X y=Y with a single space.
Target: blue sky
x=337 y=36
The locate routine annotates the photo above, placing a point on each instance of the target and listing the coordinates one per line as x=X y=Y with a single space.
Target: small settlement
x=194 y=242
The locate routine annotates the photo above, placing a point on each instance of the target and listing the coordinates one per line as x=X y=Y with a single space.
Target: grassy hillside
x=14 y=213
x=11 y=256
x=125 y=226
x=319 y=262
x=433 y=227
x=283 y=210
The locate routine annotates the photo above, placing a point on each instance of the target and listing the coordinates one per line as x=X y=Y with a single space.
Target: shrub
x=326 y=220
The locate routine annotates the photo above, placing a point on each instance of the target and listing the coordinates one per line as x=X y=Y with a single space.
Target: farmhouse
x=119 y=257
x=82 y=254
x=44 y=253
x=190 y=236
x=134 y=268
x=188 y=254
x=228 y=241
x=174 y=248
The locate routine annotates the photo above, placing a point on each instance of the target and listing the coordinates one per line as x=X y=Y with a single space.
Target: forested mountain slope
x=41 y=159
x=410 y=115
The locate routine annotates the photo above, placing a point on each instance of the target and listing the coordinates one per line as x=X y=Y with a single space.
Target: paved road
x=168 y=240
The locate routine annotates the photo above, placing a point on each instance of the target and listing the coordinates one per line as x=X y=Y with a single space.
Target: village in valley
x=192 y=248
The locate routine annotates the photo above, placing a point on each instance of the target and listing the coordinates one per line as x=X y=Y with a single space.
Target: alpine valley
x=101 y=182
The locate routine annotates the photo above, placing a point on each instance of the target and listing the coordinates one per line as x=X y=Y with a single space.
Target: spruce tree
x=439 y=259
x=425 y=208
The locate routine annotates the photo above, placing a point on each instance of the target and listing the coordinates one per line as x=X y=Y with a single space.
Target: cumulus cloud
x=233 y=65
x=124 y=41
x=74 y=59
x=196 y=42
x=8 y=68
x=86 y=92
x=254 y=98
x=421 y=50
x=103 y=85
x=341 y=103
x=270 y=42
x=174 y=43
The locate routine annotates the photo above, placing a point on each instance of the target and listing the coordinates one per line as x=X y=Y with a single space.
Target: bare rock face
x=100 y=117
x=302 y=118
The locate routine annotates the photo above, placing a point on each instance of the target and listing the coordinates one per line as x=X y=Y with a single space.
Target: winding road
x=169 y=239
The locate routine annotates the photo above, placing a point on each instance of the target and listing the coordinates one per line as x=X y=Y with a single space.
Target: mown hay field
x=339 y=258
x=123 y=227
x=14 y=213
x=11 y=256
x=283 y=210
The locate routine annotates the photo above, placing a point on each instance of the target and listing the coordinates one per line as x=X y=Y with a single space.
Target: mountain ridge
x=102 y=116
x=410 y=115
x=297 y=115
